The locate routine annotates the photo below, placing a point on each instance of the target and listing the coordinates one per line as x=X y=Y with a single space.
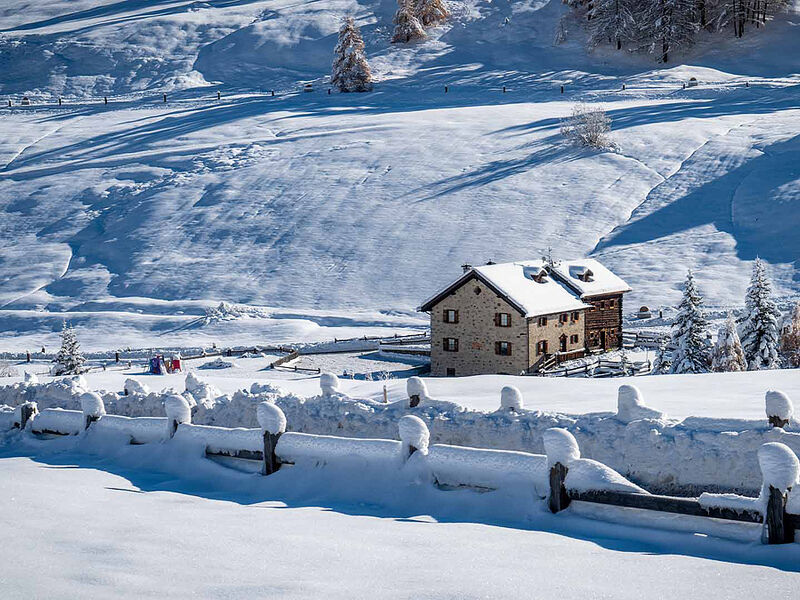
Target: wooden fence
x=451 y=466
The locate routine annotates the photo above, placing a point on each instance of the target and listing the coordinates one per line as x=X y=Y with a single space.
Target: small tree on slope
x=611 y=21
x=69 y=360
x=431 y=12
x=790 y=341
x=407 y=26
x=689 y=332
x=727 y=354
x=760 y=324
x=351 y=71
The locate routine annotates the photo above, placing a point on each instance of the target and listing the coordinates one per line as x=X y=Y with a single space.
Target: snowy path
x=76 y=526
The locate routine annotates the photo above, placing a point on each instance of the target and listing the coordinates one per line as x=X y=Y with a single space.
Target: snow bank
x=778 y=405
x=413 y=433
x=271 y=418
x=92 y=405
x=58 y=420
x=329 y=384
x=560 y=447
x=133 y=388
x=200 y=390
x=320 y=450
x=137 y=430
x=631 y=406
x=31 y=378
x=779 y=465
x=218 y=364
x=476 y=467
x=586 y=475
x=7 y=418
x=221 y=440
x=511 y=399
x=415 y=386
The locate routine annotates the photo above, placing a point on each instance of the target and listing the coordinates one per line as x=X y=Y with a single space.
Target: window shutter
x=456 y=344
x=509 y=348
x=496 y=319
x=497 y=347
x=444 y=315
x=456 y=315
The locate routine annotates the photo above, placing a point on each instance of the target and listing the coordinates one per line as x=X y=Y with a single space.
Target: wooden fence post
x=779 y=531
x=271 y=461
x=273 y=425
x=558 y=499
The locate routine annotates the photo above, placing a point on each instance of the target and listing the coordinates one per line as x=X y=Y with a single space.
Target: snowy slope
x=335 y=202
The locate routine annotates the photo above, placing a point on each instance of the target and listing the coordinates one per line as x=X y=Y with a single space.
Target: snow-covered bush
x=271 y=418
x=589 y=127
x=414 y=434
x=511 y=399
x=727 y=355
x=407 y=26
x=779 y=466
x=689 y=332
x=778 y=406
x=351 y=72
x=560 y=446
x=760 y=324
x=92 y=405
x=329 y=384
x=69 y=360
x=631 y=406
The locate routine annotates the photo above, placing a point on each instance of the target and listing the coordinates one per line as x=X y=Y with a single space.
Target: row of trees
x=753 y=345
x=413 y=16
x=661 y=27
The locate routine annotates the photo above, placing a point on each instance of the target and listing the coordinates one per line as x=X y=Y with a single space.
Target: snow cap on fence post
x=779 y=408
x=273 y=425
x=414 y=434
x=511 y=399
x=416 y=390
x=31 y=378
x=781 y=471
x=178 y=411
x=92 y=407
x=631 y=406
x=329 y=384
x=561 y=449
x=24 y=413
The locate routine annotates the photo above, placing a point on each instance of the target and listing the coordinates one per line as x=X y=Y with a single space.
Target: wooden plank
x=670 y=504
x=779 y=530
x=559 y=499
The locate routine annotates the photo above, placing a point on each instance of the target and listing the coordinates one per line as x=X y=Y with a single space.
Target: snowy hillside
x=123 y=215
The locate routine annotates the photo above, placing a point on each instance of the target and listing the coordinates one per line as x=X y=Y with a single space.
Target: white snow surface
x=779 y=465
x=586 y=475
x=320 y=450
x=511 y=398
x=415 y=386
x=218 y=439
x=778 y=405
x=92 y=405
x=270 y=418
x=601 y=280
x=414 y=432
x=59 y=420
x=177 y=409
x=560 y=446
x=328 y=383
x=631 y=406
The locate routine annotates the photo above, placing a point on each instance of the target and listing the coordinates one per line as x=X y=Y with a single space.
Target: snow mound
x=587 y=475
x=416 y=387
x=133 y=387
x=200 y=390
x=779 y=465
x=271 y=418
x=631 y=406
x=177 y=409
x=779 y=405
x=31 y=378
x=414 y=432
x=329 y=384
x=560 y=446
x=511 y=399
x=79 y=382
x=92 y=405
x=217 y=364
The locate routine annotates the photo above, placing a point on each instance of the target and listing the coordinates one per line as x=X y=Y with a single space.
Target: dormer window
x=583 y=274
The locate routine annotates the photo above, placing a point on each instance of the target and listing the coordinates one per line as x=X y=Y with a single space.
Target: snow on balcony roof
x=601 y=280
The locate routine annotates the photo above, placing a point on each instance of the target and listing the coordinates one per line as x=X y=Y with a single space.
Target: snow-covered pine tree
x=727 y=354
x=351 y=71
x=663 y=360
x=790 y=340
x=406 y=25
x=611 y=21
x=689 y=332
x=431 y=12
x=760 y=324
x=668 y=25
x=69 y=360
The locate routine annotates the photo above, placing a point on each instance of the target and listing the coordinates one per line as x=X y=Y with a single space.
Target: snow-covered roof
x=515 y=281
x=600 y=279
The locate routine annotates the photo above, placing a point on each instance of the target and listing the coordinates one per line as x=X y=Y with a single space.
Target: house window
x=573 y=339
x=450 y=344
x=502 y=348
x=603 y=304
x=563 y=318
x=576 y=316
x=542 y=321
x=610 y=304
x=502 y=319
x=477 y=290
x=450 y=315
x=541 y=347
x=451 y=372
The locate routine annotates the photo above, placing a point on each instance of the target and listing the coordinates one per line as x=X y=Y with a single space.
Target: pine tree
x=727 y=354
x=407 y=26
x=663 y=360
x=351 y=71
x=431 y=12
x=668 y=25
x=611 y=21
x=69 y=360
x=790 y=340
x=760 y=324
x=689 y=332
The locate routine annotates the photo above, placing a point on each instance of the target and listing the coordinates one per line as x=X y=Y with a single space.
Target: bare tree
x=588 y=126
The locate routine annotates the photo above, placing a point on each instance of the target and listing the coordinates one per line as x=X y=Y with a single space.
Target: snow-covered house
x=511 y=317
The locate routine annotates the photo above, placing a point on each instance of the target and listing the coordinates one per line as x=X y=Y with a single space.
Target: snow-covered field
x=135 y=522
x=345 y=211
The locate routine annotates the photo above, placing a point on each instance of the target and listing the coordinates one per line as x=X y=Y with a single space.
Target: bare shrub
x=589 y=127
